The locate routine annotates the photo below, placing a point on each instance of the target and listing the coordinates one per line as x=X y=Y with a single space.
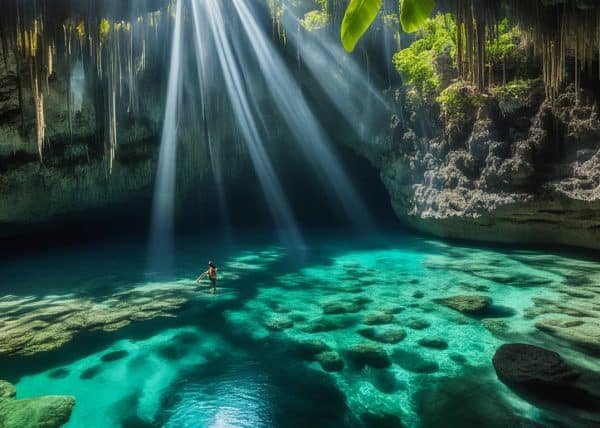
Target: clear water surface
x=243 y=358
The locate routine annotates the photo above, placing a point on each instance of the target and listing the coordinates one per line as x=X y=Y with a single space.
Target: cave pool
x=247 y=356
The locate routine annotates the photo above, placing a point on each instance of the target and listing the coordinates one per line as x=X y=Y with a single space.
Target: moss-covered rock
x=433 y=342
x=330 y=361
x=308 y=349
x=41 y=412
x=467 y=304
x=366 y=354
x=279 y=324
x=341 y=307
x=378 y=318
x=387 y=335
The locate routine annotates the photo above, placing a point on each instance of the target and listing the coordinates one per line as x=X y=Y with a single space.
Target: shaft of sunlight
x=209 y=118
x=300 y=119
x=239 y=97
x=345 y=83
x=163 y=204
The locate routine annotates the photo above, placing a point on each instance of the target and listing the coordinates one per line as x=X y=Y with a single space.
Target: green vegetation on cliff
x=416 y=63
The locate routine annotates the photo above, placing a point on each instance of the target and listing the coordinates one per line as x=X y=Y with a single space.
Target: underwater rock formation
x=31 y=325
x=48 y=411
x=542 y=374
x=466 y=304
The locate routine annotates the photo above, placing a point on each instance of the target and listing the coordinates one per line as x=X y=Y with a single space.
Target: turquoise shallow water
x=179 y=356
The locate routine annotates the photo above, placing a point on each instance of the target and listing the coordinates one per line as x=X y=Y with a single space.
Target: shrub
x=458 y=101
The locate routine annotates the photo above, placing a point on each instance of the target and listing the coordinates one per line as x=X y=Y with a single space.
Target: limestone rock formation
x=528 y=173
x=468 y=304
x=42 y=412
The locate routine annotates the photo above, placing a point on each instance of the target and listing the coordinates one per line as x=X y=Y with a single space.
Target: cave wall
x=526 y=171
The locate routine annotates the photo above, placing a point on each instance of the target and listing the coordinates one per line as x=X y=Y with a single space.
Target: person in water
x=212 y=275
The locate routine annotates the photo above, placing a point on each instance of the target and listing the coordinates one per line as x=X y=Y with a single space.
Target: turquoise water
x=142 y=349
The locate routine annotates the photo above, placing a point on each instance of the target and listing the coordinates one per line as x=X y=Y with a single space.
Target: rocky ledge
x=48 y=411
x=522 y=169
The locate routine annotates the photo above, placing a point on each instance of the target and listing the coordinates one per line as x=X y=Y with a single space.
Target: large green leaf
x=414 y=13
x=359 y=16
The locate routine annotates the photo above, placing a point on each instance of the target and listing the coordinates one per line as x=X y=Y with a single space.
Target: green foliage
x=458 y=101
x=516 y=91
x=413 y=13
x=315 y=20
x=359 y=16
x=416 y=64
x=505 y=47
x=104 y=29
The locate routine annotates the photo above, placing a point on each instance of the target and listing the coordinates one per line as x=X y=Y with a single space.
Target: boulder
x=416 y=323
x=386 y=335
x=341 y=307
x=434 y=343
x=329 y=323
x=378 y=318
x=366 y=354
x=541 y=374
x=467 y=304
x=41 y=412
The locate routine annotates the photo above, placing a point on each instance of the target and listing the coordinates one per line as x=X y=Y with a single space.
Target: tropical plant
x=360 y=14
x=416 y=63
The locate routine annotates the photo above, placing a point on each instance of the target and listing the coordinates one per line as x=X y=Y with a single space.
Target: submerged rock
x=366 y=354
x=583 y=333
x=308 y=349
x=114 y=356
x=341 y=307
x=393 y=310
x=378 y=318
x=417 y=324
x=387 y=335
x=418 y=294
x=497 y=327
x=279 y=324
x=434 y=343
x=37 y=325
x=47 y=411
x=60 y=373
x=463 y=400
x=328 y=323
x=414 y=362
x=542 y=374
x=467 y=304
x=7 y=390
x=330 y=361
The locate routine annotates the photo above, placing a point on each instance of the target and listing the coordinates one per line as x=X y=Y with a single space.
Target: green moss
x=458 y=101
x=516 y=91
x=416 y=64
x=506 y=47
